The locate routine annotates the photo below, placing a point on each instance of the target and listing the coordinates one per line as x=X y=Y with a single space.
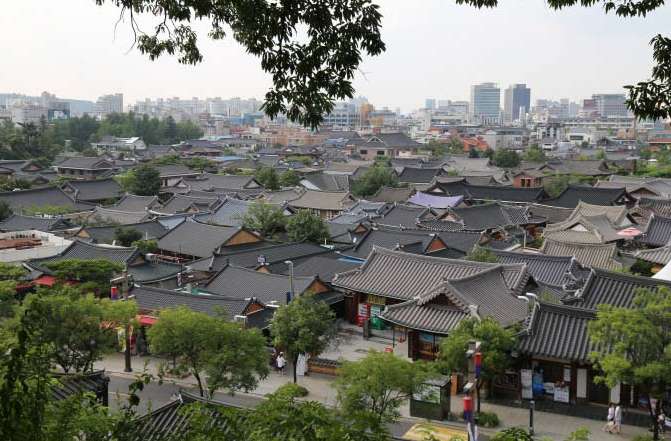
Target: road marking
x=423 y=431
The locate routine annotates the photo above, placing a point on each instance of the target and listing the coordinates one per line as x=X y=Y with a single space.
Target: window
x=380 y=153
x=363 y=152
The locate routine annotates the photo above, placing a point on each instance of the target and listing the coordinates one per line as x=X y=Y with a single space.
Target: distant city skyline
x=568 y=54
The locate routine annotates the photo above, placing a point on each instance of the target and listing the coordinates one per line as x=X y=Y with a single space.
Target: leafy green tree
x=496 y=344
x=268 y=177
x=146 y=180
x=302 y=327
x=646 y=154
x=600 y=154
x=481 y=254
x=126 y=236
x=506 y=158
x=633 y=346
x=232 y=357
x=201 y=164
x=307 y=160
x=555 y=186
x=306 y=226
x=290 y=179
x=5 y=210
x=52 y=210
x=473 y=153
x=146 y=246
x=308 y=73
x=170 y=130
x=264 y=218
x=371 y=391
x=535 y=154
x=93 y=275
x=79 y=329
x=188 y=130
x=11 y=272
x=371 y=181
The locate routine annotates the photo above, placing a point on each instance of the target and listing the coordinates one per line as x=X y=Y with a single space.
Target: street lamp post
x=291 y=280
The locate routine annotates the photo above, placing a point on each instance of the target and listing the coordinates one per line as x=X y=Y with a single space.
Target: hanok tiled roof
x=181 y=204
x=208 y=181
x=616 y=214
x=18 y=222
x=150 y=230
x=558 y=332
x=408 y=216
x=158 y=299
x=17 y=165
x=590 y=167
x=546 y=269
x=131 y=202
x=324 y=200
x=660 y=207
x=94 y=190
x=391 y=195
x=552 y=214
x=389 y=238
x=612 y=288
x=391 y=140
x=591 y=256
x=488 y=192
x=487 y=216
x=405 y=276
x=87 y=251
x=272 y=255
x=431 y=318
x=72 y=383
x=46 y=196
x=280 y=196
x=660 y=256
x=85 y=163
x=440 y=225
x=243 y=283
x=229 y=213
x=328 y=182
x=149 y=272
x=196 y=239
x=573 y=195
x=324 y=266
x=415 y=175
x=658 y=233
x=119 y=217
x=435 y=201
x=167 y=170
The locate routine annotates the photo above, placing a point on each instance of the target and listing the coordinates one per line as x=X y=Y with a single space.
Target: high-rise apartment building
x=107 y=104
x=611 y=104
x=486 y=103
x=516 y=102
x=430 y=103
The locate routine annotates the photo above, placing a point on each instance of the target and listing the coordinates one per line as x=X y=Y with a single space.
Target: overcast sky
x=434 y=49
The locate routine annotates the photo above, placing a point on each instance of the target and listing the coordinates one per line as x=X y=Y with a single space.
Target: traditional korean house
x=94 y=191
x=573 y=195
x=326 y=204
x=658 y=233
x=18 y=222
x=150 y=230
x=593 y=255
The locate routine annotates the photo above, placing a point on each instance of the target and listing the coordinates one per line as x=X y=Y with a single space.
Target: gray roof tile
x=196 y=239
x=589 y=255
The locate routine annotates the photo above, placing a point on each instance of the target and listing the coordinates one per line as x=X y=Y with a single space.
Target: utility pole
x=125 y=291
x=290 y=297
x=474 y=358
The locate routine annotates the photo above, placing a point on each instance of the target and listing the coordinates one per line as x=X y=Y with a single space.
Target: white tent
x=664 y=273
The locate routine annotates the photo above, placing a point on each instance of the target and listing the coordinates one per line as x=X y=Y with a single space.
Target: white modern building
x=107 y=104
x=20 y=246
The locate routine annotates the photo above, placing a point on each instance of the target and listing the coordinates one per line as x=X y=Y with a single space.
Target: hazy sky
x=434 y=49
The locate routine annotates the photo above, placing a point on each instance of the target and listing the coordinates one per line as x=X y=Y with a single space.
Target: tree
x=78 y=329
x=93 y=275
x=5 y=210
x=371 y=181
x=308 y=74
x=371 y=391
x=290 y=179
x=146 y=180
x=600 y=154
x=555 y=186
x=473 y=153
x=126 y=236
x=264 y=218
x=201 y=164
x=306 y=226
x=481 y=254
x=231 y=356
x=646 y=154
x=534 y=154
x=267 y=176
x=170 y=130
x=146 y=246
x=633 y=346
x=302 y=327
x=506 y=158
x=496 y=344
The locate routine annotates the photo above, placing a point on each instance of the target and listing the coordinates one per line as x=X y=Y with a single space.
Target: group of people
x=279 y=362
x=614 y=419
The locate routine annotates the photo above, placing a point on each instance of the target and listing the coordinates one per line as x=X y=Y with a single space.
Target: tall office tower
x=107 y=104
x=516 y=97
x=486 y=103
x=611 y=104
x=430 y=103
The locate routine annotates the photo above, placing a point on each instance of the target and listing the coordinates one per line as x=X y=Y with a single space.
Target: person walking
x=609 y=419
x=280 y=363
x=618 y=419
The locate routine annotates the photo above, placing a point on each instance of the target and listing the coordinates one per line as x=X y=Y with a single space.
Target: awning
x=147 y=320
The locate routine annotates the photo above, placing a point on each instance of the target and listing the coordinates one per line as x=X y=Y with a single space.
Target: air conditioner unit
x=240 y=318
x=150 y=257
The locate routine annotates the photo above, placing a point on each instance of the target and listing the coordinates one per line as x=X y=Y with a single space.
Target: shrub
x=291 y=390
x=488 y=419
x=511 y=434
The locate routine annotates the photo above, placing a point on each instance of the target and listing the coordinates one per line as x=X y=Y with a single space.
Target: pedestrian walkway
x=545 y=423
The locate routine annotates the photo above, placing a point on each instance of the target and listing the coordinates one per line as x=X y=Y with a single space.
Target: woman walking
x=280 y=363
x=609 y=419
